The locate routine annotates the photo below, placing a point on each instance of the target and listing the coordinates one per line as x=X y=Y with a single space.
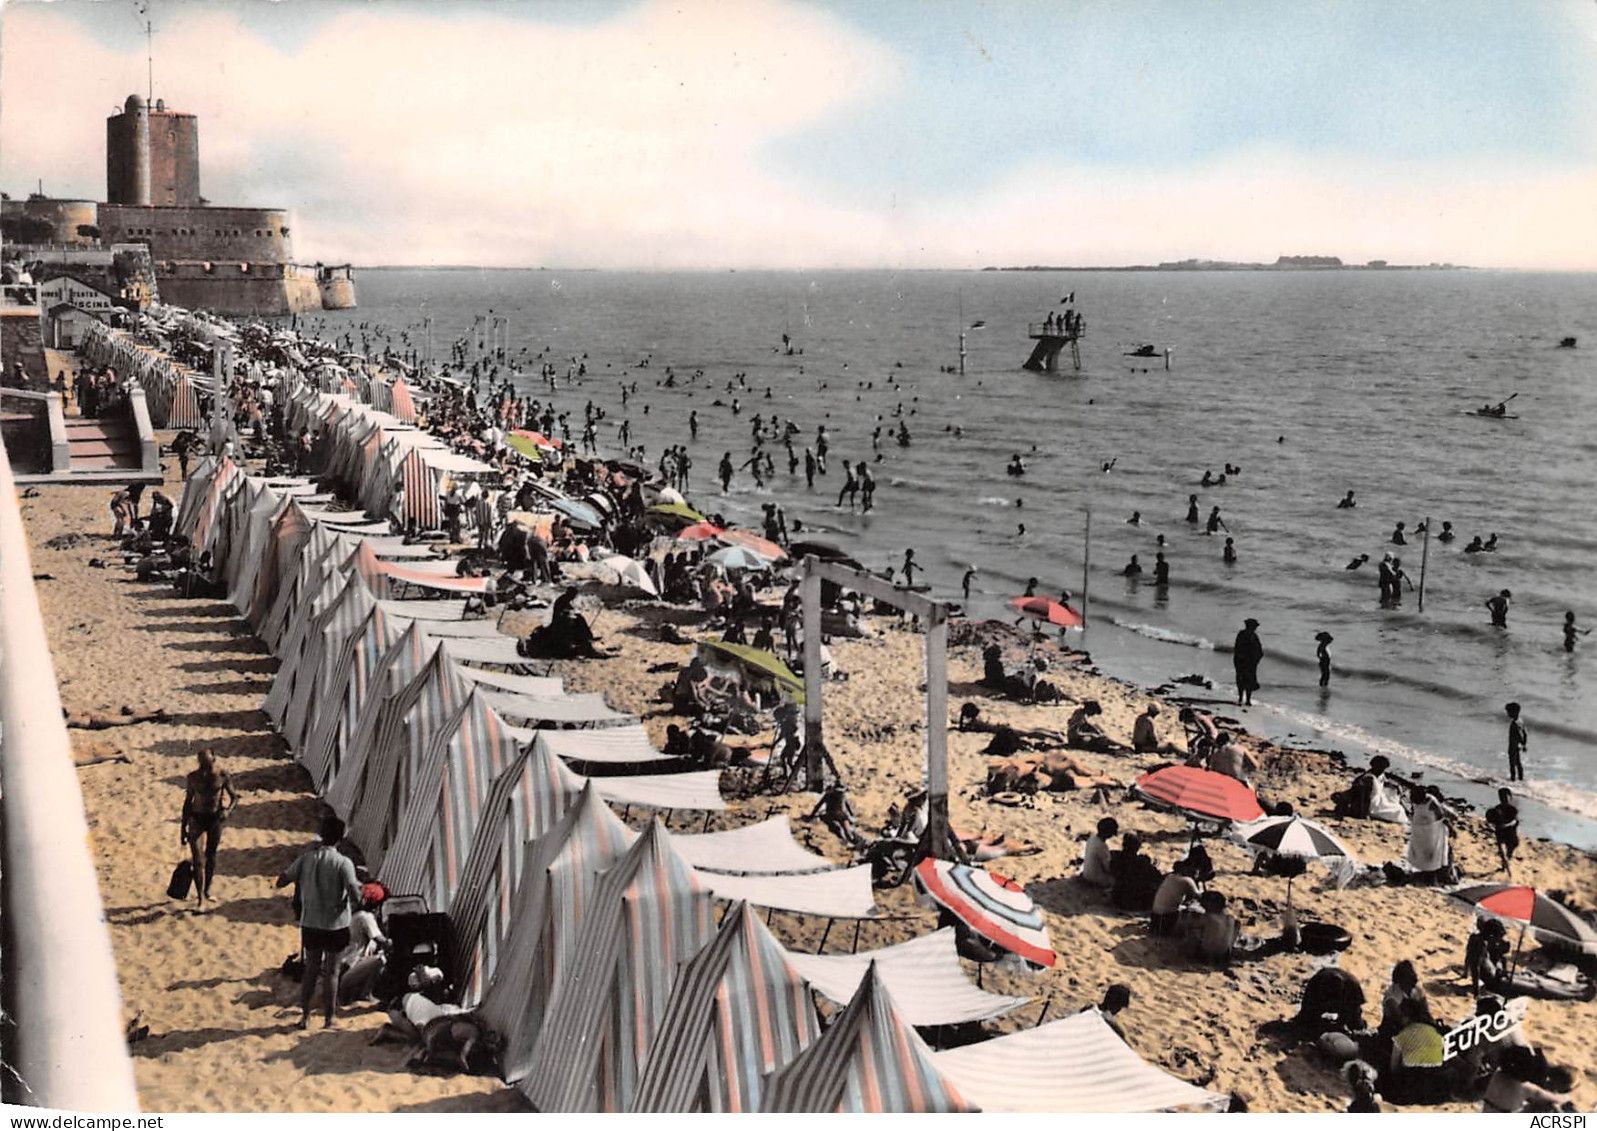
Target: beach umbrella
x=537 y=438
x=738 y=557
x=699 y=531
x=759 y=662
x=1201 y=793
x=625 y=571
x=752 y=541
x=679 y=511
x=1047 y=610
x=1294 y=838
x=1546 y=918
x=669 y=495
x=577 y=512
x=995 y=907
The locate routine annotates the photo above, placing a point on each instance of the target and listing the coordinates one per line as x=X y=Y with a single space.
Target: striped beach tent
x=256 y=550
x=650 y=915
x=868 y=1060
x=227 y=479
x=421 y=491
x=410 y=650
x=445 y=803
x=296 y=649
x=287 y=538
x=406 y=727
x=403 y=405
x=315 y=682
x=354 y=673
x=195 y=489
x=364 y=562
x=738 y=1012
x=299 y=584
x=184 y=411
x=525 y=803
x=558 y=885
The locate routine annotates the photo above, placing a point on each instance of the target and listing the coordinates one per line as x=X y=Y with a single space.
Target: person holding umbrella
x=1245 y=656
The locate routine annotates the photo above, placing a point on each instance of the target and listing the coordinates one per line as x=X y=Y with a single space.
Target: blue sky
x=781 y=133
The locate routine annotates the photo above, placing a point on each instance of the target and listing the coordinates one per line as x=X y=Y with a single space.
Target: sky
x=708 y=134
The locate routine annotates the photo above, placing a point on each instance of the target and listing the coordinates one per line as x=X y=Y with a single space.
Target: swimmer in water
x=1447 y=534
x=1474 y=546
x=1230 y=552
x=1159 y=541
x=1347 y=502
x=1208 y=478
x=1323 y=654
x=1020 y=530
x=1192 y=508
x=1397 y=536
x=1357 y=562
x=1135 y=519
x=1491 y=544
x=1016 y=466
x=1161 y=570
x=1216 y=522
x=1498 y=607
x=1570 y=632
x=1133 y=568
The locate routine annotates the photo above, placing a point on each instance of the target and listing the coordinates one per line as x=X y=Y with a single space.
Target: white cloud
x=409 y=137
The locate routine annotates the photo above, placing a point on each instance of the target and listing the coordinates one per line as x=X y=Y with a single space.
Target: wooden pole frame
x=934 y=616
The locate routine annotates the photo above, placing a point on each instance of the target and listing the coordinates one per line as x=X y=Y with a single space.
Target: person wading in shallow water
x=203 y=814
x=1245 y=657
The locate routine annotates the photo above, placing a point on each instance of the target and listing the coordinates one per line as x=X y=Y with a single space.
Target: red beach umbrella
x=1546 y=918
x=751 y=541
x=994 y=906
x=699 y=531
x=1202 y=793
x=1047 y=610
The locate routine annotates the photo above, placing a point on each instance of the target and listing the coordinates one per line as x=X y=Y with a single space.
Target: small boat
x=1143 y=351
x=1567 y=344
x=1491 y=415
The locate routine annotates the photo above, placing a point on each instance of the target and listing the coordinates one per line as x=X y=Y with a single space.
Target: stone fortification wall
x=243 y=235
x=65 y=217
x=263 y=289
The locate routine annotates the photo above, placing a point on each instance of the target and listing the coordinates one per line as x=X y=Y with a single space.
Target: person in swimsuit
x=203 y=814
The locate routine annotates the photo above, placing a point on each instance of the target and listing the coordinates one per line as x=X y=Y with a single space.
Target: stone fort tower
x=152 y=155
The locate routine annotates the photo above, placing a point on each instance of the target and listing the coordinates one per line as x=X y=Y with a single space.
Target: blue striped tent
x=405 y=657
x=738 y=1012
x=354 y=672
x=651 y=914
x=868 y=1060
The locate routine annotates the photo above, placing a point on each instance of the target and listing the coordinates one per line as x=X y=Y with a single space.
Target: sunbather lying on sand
x=1055 y=772
x=88 y=720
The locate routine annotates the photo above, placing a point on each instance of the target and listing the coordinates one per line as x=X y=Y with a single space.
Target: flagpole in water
x=1086 y=561
x=1425 y=557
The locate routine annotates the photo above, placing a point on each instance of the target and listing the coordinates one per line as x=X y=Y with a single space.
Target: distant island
x=1283 y=263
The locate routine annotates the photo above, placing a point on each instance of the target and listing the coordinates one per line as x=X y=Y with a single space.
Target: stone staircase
x=103 y=444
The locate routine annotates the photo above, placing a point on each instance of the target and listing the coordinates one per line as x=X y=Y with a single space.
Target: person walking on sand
x=203 y=814
x=1504 y=821
x=1518 y=740
x=328 y=893
x=1245 y=656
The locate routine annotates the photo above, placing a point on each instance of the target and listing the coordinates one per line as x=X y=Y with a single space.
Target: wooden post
x=937 y=733
x=1425 y=557
x=1086 y=562
x=810 y=595
x=962 y=353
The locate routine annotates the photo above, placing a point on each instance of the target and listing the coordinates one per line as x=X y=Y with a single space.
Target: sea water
x=1314 y=383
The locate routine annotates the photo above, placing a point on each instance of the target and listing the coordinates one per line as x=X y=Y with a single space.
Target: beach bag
x=182 y=880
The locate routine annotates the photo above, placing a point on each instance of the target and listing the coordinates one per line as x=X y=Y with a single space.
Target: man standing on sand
x=1518 y=740
x=328 y=891
x=1245 y=656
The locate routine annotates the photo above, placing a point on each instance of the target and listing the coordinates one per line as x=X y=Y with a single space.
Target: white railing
x=63 y=1045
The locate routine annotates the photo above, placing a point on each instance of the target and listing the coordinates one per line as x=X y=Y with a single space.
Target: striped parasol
x=1291 y=836
x=1546 y=918
x=993 y=906
x=752 y=541
x=1201 y=793
x=699 y=531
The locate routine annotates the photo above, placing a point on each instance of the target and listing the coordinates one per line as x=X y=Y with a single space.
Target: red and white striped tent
x=650 y=915
x=184 y=411
x=403 y=405
x=738 y=1012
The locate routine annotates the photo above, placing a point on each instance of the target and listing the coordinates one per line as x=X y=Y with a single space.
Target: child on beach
x=1504 y=821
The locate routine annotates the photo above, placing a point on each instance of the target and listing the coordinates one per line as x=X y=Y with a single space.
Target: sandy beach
x=221 y=1015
